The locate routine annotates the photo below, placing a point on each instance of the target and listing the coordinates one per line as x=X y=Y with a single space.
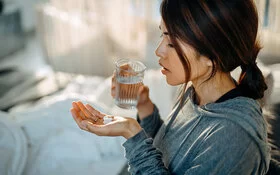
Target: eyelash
x=169 y=45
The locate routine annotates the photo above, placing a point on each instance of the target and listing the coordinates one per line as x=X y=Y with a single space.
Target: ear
x=207 y=61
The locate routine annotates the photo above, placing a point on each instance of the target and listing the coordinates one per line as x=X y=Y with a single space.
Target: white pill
x=107 y=119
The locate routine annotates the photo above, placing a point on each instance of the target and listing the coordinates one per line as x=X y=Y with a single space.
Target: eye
x=170 y=45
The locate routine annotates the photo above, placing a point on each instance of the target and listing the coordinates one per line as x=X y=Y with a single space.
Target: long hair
x=225 y=31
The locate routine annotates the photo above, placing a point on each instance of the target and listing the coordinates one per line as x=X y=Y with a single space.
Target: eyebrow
x=165 y=33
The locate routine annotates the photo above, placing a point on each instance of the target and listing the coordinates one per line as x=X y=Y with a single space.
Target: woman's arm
x=143 y=157
x=151 y=123
x=147 y=113
x=140 y=150
x=220 y=149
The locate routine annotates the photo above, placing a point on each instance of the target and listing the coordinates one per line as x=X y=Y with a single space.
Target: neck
x=211 y=90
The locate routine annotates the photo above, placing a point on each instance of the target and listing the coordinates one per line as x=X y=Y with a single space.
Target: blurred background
x=55 y=51
x=86 y=36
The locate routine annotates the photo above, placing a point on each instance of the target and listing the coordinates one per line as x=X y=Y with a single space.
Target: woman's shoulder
x=238 y=105
x=243 y=111
x=240 y=111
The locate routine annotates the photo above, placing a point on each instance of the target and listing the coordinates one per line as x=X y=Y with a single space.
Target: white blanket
x=58 y=146
x=13 y=147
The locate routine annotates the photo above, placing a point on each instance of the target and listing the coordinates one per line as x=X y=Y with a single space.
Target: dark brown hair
x=223 y=30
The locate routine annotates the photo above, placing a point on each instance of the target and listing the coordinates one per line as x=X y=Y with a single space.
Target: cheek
x=180 y=72
x=195 y=66
x=177 y=76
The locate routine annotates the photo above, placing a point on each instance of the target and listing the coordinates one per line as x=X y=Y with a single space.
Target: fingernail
x=75 y=105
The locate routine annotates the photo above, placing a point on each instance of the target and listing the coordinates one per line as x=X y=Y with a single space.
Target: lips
x=163 y=67
x=164 y=70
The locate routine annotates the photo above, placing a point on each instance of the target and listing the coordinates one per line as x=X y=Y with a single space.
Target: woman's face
x=172 y=67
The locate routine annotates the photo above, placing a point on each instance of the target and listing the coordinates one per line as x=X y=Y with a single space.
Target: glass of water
x=129 y=77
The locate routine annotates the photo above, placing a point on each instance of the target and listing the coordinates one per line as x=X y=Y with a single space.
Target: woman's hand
x=91 y=120
x=113 y=85
x=145 y=106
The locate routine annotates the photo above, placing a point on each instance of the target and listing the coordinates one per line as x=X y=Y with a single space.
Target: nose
x=160 y=51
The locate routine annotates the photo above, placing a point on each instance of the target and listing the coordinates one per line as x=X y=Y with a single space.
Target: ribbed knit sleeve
x=151 y=123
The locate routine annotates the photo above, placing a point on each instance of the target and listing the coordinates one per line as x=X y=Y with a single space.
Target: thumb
x=143 y=94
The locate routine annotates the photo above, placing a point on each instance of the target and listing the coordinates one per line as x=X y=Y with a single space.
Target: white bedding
x=57 y=146
x=13 y=147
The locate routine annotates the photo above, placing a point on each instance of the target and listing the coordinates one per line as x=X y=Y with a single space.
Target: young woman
x=217 y=126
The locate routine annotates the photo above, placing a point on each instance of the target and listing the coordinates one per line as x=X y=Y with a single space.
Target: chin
x=173 y=82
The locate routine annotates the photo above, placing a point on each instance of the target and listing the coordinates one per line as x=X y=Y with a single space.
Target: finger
x=140 y=90
x=75 y=115
x=126 y=70
x=113 y=86
x=75 y=106
x=114 y=76
x=143 y=94
x=143 y=91
x=113 y=92
x=94 y=111
x=96 y=120
x=146 y=91
x=86 y=112
x=125 y=67
x=77 y=119
x=82 y=115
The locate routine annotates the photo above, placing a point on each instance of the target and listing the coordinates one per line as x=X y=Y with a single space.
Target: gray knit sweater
x=218 y=138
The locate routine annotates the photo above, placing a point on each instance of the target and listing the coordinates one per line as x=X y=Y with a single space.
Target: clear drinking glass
x=129 y=77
